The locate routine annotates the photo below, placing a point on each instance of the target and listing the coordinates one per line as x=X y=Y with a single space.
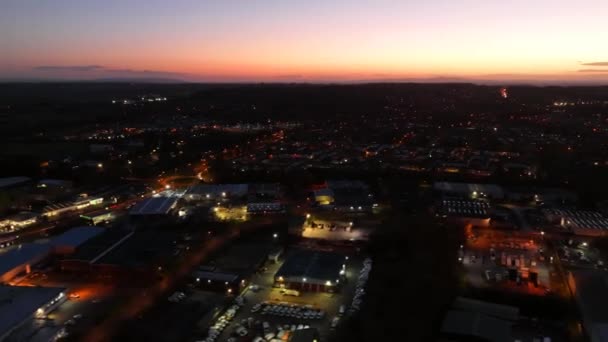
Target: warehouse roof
x=217 y=189
x=17 y=303
x=76 y=236
x=469 y=188
x=216 y=276
x=154 y=206
x=475 y=324
x=313 y=265
x=22 y=254
x=10 y=181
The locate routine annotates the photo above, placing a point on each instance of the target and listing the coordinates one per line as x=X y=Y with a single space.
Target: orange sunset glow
x=277 y=41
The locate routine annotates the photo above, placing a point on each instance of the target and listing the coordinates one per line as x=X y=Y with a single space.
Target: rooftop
x=591 y=288
x=76 y=236
x=21 y=254
x=216 y=189
x=17 y=303
x=315 y=266
x=492 y=190
x=154 y=206
x=475 y=324
x=241 y=258
x=98 y=244
x=10 y=181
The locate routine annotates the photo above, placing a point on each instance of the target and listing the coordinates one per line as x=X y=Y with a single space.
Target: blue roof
x=10 y=181
x=76 y=236
x=154 y=206
x=22 y=254
x=20 y=302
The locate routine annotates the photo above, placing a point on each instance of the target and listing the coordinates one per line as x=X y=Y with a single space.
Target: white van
x=290 y=292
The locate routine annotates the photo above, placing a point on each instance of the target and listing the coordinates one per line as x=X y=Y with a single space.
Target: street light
x=307 y=216
x=275 y=235
x=167 y=186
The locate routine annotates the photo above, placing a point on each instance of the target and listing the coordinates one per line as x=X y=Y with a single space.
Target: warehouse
x=18 y=221
x=311 y=271
x=589 y=287
x=21 y=304
x=20 y=259
x=468 y=190
x=217 y=191
x=154 y=206
x=68 y=242
x=83 y=201
x=265 y=208
x=233 y=266
x=13 y=182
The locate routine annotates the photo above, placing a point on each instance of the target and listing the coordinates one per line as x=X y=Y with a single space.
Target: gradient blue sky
x=331 y=40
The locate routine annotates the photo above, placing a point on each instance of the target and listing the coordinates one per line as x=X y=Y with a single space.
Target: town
x=451 y=212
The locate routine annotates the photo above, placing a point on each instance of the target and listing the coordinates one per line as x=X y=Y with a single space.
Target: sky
x=542 y=41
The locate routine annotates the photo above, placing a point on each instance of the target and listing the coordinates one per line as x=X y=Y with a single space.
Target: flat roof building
x=20 y=304
x=265 y=208
x=21 y=258
x=590 y=287
x=154 y=206
x=70 y=240
x=311 y=271
x=469 y=190
x=473 y=320
x=8 y=182
x=217 y=191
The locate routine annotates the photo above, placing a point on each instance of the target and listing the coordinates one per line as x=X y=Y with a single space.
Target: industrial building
x=311 y=271
x=20 y=259
x=232 y=268
x=345 y=196
x=21 y=304
x=217 y=191
x=474 y=320
x=102 y=217
x=154 y=206
x=89 y=252
x=18 y=221
x=579 y=222
x=590 y=287
x=10 y=182
x=469 y=190
x=265 y=190
x=265 y=208
x=83 y=201
x=68 y=242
